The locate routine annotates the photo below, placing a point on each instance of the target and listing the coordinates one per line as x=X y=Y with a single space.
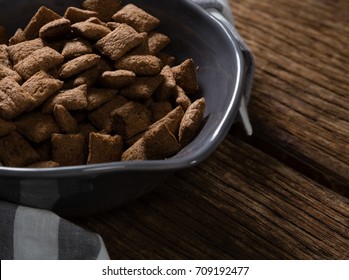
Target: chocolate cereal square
x=142 y=88
x=37 y=127
x=17 y=38
x=172 y=120
x=4 y=56
x=68 y=149
x=157 y=42
x=105 y=9
x=16 y=151
x=73 y=99
x=43 y=59
x=75 y=15
x=131 y=119
x=167 y=86
x=96 y=97
x=117 y=79
x=8 y=109
x=42 y=17
x=75 y=48
x=191 y=121
x=8 y=72
x=78 y=65
x=55 y=29
x=64 y=120
x=22 y=50
x=181 y=98
x=6 y=127
x=40 y=87
x=185 y=75
x=104 y=148
x=89 y=30
x=136 y=17
x=142 y=65
x=120 y=41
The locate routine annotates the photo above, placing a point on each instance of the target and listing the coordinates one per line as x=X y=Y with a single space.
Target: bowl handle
x=249 y=67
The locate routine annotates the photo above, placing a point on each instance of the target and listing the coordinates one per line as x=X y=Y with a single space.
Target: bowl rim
x=172 y=163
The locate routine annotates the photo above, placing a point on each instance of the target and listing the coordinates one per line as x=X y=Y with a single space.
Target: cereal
x=75 y=15
x=64 y=120
x=89 y=30
x=134 y=16
x=120 y=41
x=191 y=121
x=96 y=97
x=78 y=65
x=140 y=64
x=43 y=16
x=131 y=119
x=42 y=59
x=68 y=149
x=16 y=151
x=37 y=127
x=55 y=29
x=104 y=148
x=185 y=75
x=105 y=9
x=13 y=90
x=18 y=37
x=22 y=50
x=117 y=79
x=73 y=99
x=6 y=127
x=142 y=88
x=40 y=87
x=94 y=86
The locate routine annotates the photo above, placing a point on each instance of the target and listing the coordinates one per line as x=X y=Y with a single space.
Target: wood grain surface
x=280 y=194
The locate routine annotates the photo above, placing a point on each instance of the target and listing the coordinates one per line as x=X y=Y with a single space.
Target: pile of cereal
x=94 y=86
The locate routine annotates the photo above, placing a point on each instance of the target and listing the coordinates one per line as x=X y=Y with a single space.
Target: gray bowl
x=89 y=189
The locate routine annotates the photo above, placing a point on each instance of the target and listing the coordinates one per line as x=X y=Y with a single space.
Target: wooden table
x=282 y=193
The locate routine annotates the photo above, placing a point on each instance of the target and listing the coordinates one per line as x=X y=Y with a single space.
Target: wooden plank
x=300 y=102
x=239 y=204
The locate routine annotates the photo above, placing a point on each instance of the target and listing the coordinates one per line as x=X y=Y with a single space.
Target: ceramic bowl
x=89 y=189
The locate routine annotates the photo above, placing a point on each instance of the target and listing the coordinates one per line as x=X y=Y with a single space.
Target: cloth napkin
x=28 y=233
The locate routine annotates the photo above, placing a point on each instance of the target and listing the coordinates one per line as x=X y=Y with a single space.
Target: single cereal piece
x=88 y=77
x=141 y=49
x=131 y=119
x=43 y=59
x=159 y=110
x=22 y=50
x=8 y=109
x=40 y=87
x=117 y=79
x=101 y=116
x=68 y=149
x=185 y=75
x=172 y=120
x=166 y=59
x=104 y=148
x=8 y=72
x=75 y=48
x=3 y=35
x=139 y=19
x=191 y=121
x=142 y=88
x=73 y=99
x=157 y=42
x=77 y=15
x=44 y=164
x=4 y=56
x=55 y=29
x=157 y=143
x=96 y=97
x=167 y=86
x=6 y=127
x=104 y=8
x=14 y=91
x=78 y=65
x=17 y=38
x=42 y=16
x=89 y=30
x=37 y=127
x=140 y=64
x=181 y=98
x=64 y=120
x=16 y=151
x=120 y=41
